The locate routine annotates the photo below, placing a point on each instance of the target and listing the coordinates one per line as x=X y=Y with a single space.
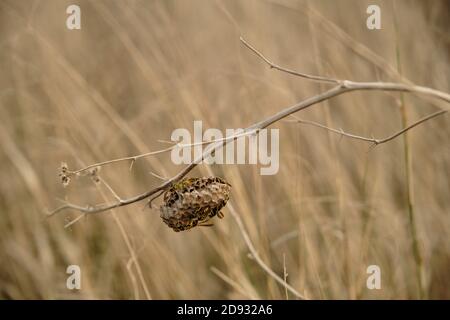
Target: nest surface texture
x=193 y=201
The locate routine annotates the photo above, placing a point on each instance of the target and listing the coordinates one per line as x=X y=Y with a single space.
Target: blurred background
x=139 y=69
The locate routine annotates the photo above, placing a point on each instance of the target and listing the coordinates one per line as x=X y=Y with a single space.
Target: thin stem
x=158 y=176
x=115 y=195
x=373 y=140
x=70 y=223
x=133 y=255
x=256 y=256
x=293 y=72
x=152 y=153
x=409 y=183
x=132 y=159
x=352 y=85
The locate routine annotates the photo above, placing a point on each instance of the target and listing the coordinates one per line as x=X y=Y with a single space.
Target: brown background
x=137 y=70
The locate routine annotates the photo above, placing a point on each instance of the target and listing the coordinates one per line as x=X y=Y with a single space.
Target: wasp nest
x=193 y=201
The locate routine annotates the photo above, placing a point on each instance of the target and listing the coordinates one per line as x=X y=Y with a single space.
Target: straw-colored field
x=139 y=69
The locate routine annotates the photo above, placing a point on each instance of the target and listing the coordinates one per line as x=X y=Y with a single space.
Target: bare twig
x=353 y=85
x=174 y=145
x=295 y=73
x=343 y=86
x=373 y=140
x=132 y=159
x=149 y=202
x=158 y=176
x=72 y=222
x=115 y=195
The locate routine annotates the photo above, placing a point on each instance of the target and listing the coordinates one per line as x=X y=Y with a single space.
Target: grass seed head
x=64 y=174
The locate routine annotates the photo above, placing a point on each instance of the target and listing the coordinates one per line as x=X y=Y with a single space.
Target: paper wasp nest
x=193 y=201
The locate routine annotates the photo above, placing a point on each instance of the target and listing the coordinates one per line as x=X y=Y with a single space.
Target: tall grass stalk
x=407 y=154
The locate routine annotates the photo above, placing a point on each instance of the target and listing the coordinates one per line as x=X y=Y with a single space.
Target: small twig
x=85 y=209
x=152 y=153
x=373 y=140
x=166 y=141
x=158 y=176
x=295 y=73
x=132 y=159
x=353 y=85
x=115 y=195
x=131 y=164
x=149 y=202
x=67 y=225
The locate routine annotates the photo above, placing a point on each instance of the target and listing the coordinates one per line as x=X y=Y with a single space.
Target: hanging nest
x=193 y=201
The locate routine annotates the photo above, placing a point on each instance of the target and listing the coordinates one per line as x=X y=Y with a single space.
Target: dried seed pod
x=64 y=174
x=193 y=201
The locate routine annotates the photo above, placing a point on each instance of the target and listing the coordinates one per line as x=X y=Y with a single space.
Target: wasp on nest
x=193 y=201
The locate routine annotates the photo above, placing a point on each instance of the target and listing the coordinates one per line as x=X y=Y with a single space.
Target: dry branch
x=373 y=140
x=341 y=87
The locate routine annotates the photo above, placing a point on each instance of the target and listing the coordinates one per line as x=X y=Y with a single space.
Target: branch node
x=345 y=84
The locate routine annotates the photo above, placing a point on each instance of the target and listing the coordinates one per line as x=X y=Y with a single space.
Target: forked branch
x=374 y=141
x=353 y=85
